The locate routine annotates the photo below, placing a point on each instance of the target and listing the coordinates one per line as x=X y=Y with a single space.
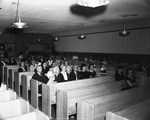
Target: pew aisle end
x=46 y=97
x=7 y=95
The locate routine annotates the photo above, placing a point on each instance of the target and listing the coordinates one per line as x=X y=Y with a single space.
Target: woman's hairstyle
x=127 y=71
x=90 y=65
x=83 y=65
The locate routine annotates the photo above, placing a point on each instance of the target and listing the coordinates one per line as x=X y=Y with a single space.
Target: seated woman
x=130 y=80
x=119 y=75
x=92 y=72
x=64 y=72
x=58 y=75
x=84 y=74
x=70 y=73
x=22 y=67
x=12 y=61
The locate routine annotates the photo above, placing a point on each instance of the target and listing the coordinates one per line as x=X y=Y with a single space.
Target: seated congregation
x=52 y=70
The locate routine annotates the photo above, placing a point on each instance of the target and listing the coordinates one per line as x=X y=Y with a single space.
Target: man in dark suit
x=73 y=74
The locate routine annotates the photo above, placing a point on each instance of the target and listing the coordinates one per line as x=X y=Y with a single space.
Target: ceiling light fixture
x=124 y=32
x=92 y=3
x=56 y=37
x=18 y=24
x=81 y=37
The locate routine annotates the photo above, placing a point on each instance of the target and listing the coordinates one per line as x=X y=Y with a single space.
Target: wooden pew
x=25 y=80
x=96 y=108
x=81 y=83
x=6 y=72
x=46 y=98
x=67 y=99
x=2 y=73
x=11 y=78
x=7 y=95
x=144 y=81
x=66 y=86
x=17 y=77
x=35 y=115
x=14 y=108
x=139 y=111
x=69 y=85
x=3 y=87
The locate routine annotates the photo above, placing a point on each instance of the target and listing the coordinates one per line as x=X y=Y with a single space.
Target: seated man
x=39 y=76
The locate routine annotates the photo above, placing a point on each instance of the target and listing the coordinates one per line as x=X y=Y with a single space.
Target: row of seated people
x=63 y=72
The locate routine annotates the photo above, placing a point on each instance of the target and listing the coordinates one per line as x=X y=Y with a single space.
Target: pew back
x=6 y=72
x=66 y=100
x=11 y=77
x=25 y=80
x=7 y=95
x=46 y=97
x=118 y=102
x=17 y=76
x=81 y=83
x=14 y=108
x=139 y=111
x=144 y=81
x=36 y=115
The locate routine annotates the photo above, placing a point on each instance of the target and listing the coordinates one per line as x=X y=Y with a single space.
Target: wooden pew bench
x=46 y=97
x=96 y=108
x=64 y=86
x=7 y=95
x=67 y=99
x=6 y=72
x=35 y=115
x=25 y=80
x=11 y=81
x=139 y=111
x=144 y=81
x=3 y=87
x=14 y=108
x=17 y=77
x=67 y=85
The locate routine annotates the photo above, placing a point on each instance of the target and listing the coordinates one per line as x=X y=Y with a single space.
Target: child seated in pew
x=130 y=79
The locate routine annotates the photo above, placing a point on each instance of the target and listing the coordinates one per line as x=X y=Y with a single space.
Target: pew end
x=36 y=115
x=45 y=105
x=62 y=105
x=86 y=112
x=7 y=95
x=3 y=87
x=14 y=108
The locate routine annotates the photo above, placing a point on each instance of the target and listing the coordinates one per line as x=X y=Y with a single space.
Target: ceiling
x=51 y=16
